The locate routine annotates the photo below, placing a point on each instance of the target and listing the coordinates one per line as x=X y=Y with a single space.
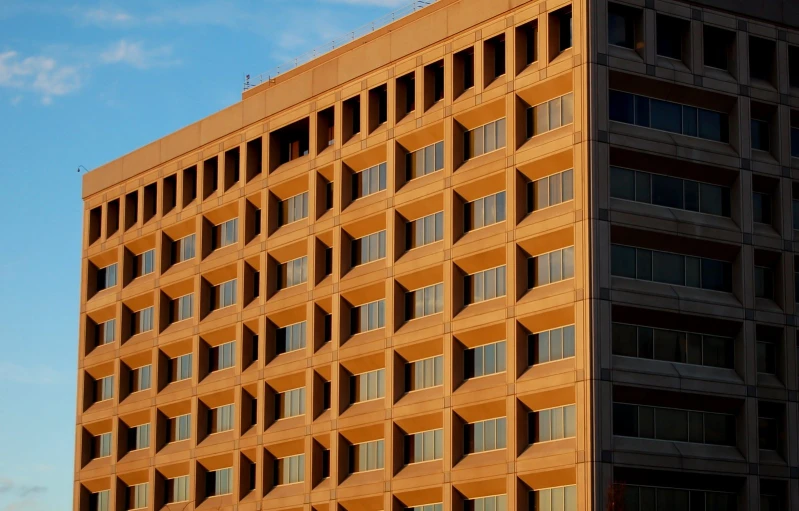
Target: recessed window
x=484 y=285
x=793 y=66
x=144 y=263
x=672 y=37
x=679 y=498
x=424 y=374
x=139 y=437
x=762 y=59
x=550 y=115
x=101 y=446
x=369 y=248
x=550 y=191
x=220 y=419
x=761 y=208
x=107 y=277
x=183 y=249
x=293 y=209
x=667 y=116
x=369 y=316
x=369 y=181
x=464 y=70
x=180 y=368
x=104 y=388
x=673 y=425
x=425 y=446
x=366 y=456
x=424 y=302
x=484 y=139
x=182 y=308
x=484 y=211
x=670 y=192
x=526 y=45
x=106 y=332
x=560 y=26
x=100 y=501
x=669 y=268
x=179 y=428
x=719 y=47
x=550 y=268
x=563 y=498
x=760 y=134
x=368 y=386
x=137 y=496
x=290 y=142
x=406 y=95
x=494 y=58
x=140 y=378
x=225 y=234
x=487 y=435
x=764 y=282
x=222 y=356
x=142 y=321
x=177 y=489
x=219 y=482
x=424 y=231
x=623 y=24
x=766 y=356
x=423 y=161
x=433 y=83
x=672 y=345
x=290 y=403
x=352 y=117
x=290 y=338
x=292 y=273
x=290 y=470
x=223 y=295
x=378 y=106
x=485 y=360
x=550 y=345
x=768 y=433
x=553 y=424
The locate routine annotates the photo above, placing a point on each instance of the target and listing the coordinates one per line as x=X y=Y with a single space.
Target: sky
x=82 y=83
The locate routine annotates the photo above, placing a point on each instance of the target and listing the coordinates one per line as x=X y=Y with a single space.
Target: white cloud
x=39 y=74
x=105 y=17
x=136 y=55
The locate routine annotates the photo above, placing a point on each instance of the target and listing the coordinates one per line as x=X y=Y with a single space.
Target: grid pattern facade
x=501 y=255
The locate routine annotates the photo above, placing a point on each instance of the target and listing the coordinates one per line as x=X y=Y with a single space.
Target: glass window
x=179 y=428
x=292 y=273
x=425 y=230
x=369 y=181
x=552 y=267
x=220 y=419
x=485 y=360
x=177 y=489
x=180 y=367
x=226 y=233
x=368 y=386
x=183 y=249
x=760 y=135
x=222 y=356
x=550 y=191
x=665 y=115
x=290 y=403
x=366 y=456
x=290 y=470
x=424 y=374
x=369 y=248
x=484 y=139
x=485 y=211
x=761 y=207
x=425 y=446
x=551 y=345
x=485 y=285
x=487 y=435
x=293 y=209
x=551 y=115
x=554 y=424
x=225 y=294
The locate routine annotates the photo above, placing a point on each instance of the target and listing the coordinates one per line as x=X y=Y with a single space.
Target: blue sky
x=82 y=83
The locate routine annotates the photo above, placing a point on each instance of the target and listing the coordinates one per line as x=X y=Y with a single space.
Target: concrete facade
x=289 y=164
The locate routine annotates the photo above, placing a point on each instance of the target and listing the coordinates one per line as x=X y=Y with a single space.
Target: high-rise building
x=495 y=255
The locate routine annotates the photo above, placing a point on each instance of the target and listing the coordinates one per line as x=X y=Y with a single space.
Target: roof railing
x=250 y=82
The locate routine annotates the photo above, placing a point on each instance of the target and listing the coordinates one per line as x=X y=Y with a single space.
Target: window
x=670 y=33
x=622 y=25
x=485 y=211
x=487 y=435
x=670 y=192
x=177 y=489
x=718 y=45
x=550 y=115
x=425 y=446
x=140 y=378
x=104 y=388
x=564 y=24
x=256 y=217
x=179 y=428
x=290 y=338
x=764 y=282
x=290 y=403
x=290 y=470
x=366 y=456
x=426 y=507
x=139 y=437
x=668 y=268
x=761 y=208
x=180 y=368
x=484 y=285
x=144 y=263
x=224 y=295
x=553 y=424
x=101 y=446
x=769 y=503
x=424 y=302
x=484 y=360
x=106 y=331
x=644 y=498
x=369 y=181
x=423 y=374
x=424 y=161
x=219 y=482
x=325 y=463
x=142 y=321
x=464 y=69
x=495 y=49
x=369 y=248
x=760 y=135
x=100 y=501
x=550 y=190
x=673 y=425
x=793 y=66
x=220 y=419
x=766 y=356
x=292 y=273
x=368 y=386
x=768 y=433
x=293 y=209
x=762 y=58
x=425 y=230
x=107 y=277
x=672 y=346
x=222 y=356
x=666 y=116
x=492 y=503
x=550 y=268
x=326 y=389
x=367 y=317
x=226 y=233
x=183 y=249
x=550 y=345
x=182 y=308
x=137 y=496
x=560 y=499
x=484 y=139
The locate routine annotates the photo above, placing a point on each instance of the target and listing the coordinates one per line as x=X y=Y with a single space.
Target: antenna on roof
x=82 y=167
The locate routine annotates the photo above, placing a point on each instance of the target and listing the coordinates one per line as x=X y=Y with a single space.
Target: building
x=498 y=254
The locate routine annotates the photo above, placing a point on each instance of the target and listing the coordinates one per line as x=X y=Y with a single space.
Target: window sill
x=671 y=64
x=476 y=309
x=677 y=293
x=480 y=459
x=547 y=137
x=481 y=383
x=364 y=269
x=481 y=233
x=298 y=421
x=285 y=491
x=719 y=74
x=296 y=162
x=363 y=478
x=286 y=229
x=547 y=213
x=497 y=155
x=548 y=369
x=564 y=55
x=672 y=214
x=547 y=290
x=360 y=203
x=175 y=447
x=421 y=469
x=621 y=52
x=675 y=139
x=216 y=502
x=666 y=369
x=550 y=448
x=650 y=446
x=769 y=380
x=414 y=325
x=421 y=182
x=761 y=84
x=288 y=292
x=216 y=438
x=362 y=338
x=762 y=156
x=364 y=407
x=419 y=396
x=414 y=254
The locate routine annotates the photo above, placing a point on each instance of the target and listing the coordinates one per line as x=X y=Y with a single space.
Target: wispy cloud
x=27 y=375
x=39 y=74
x=136 y=54
x=105 y=17
x=7 y=486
